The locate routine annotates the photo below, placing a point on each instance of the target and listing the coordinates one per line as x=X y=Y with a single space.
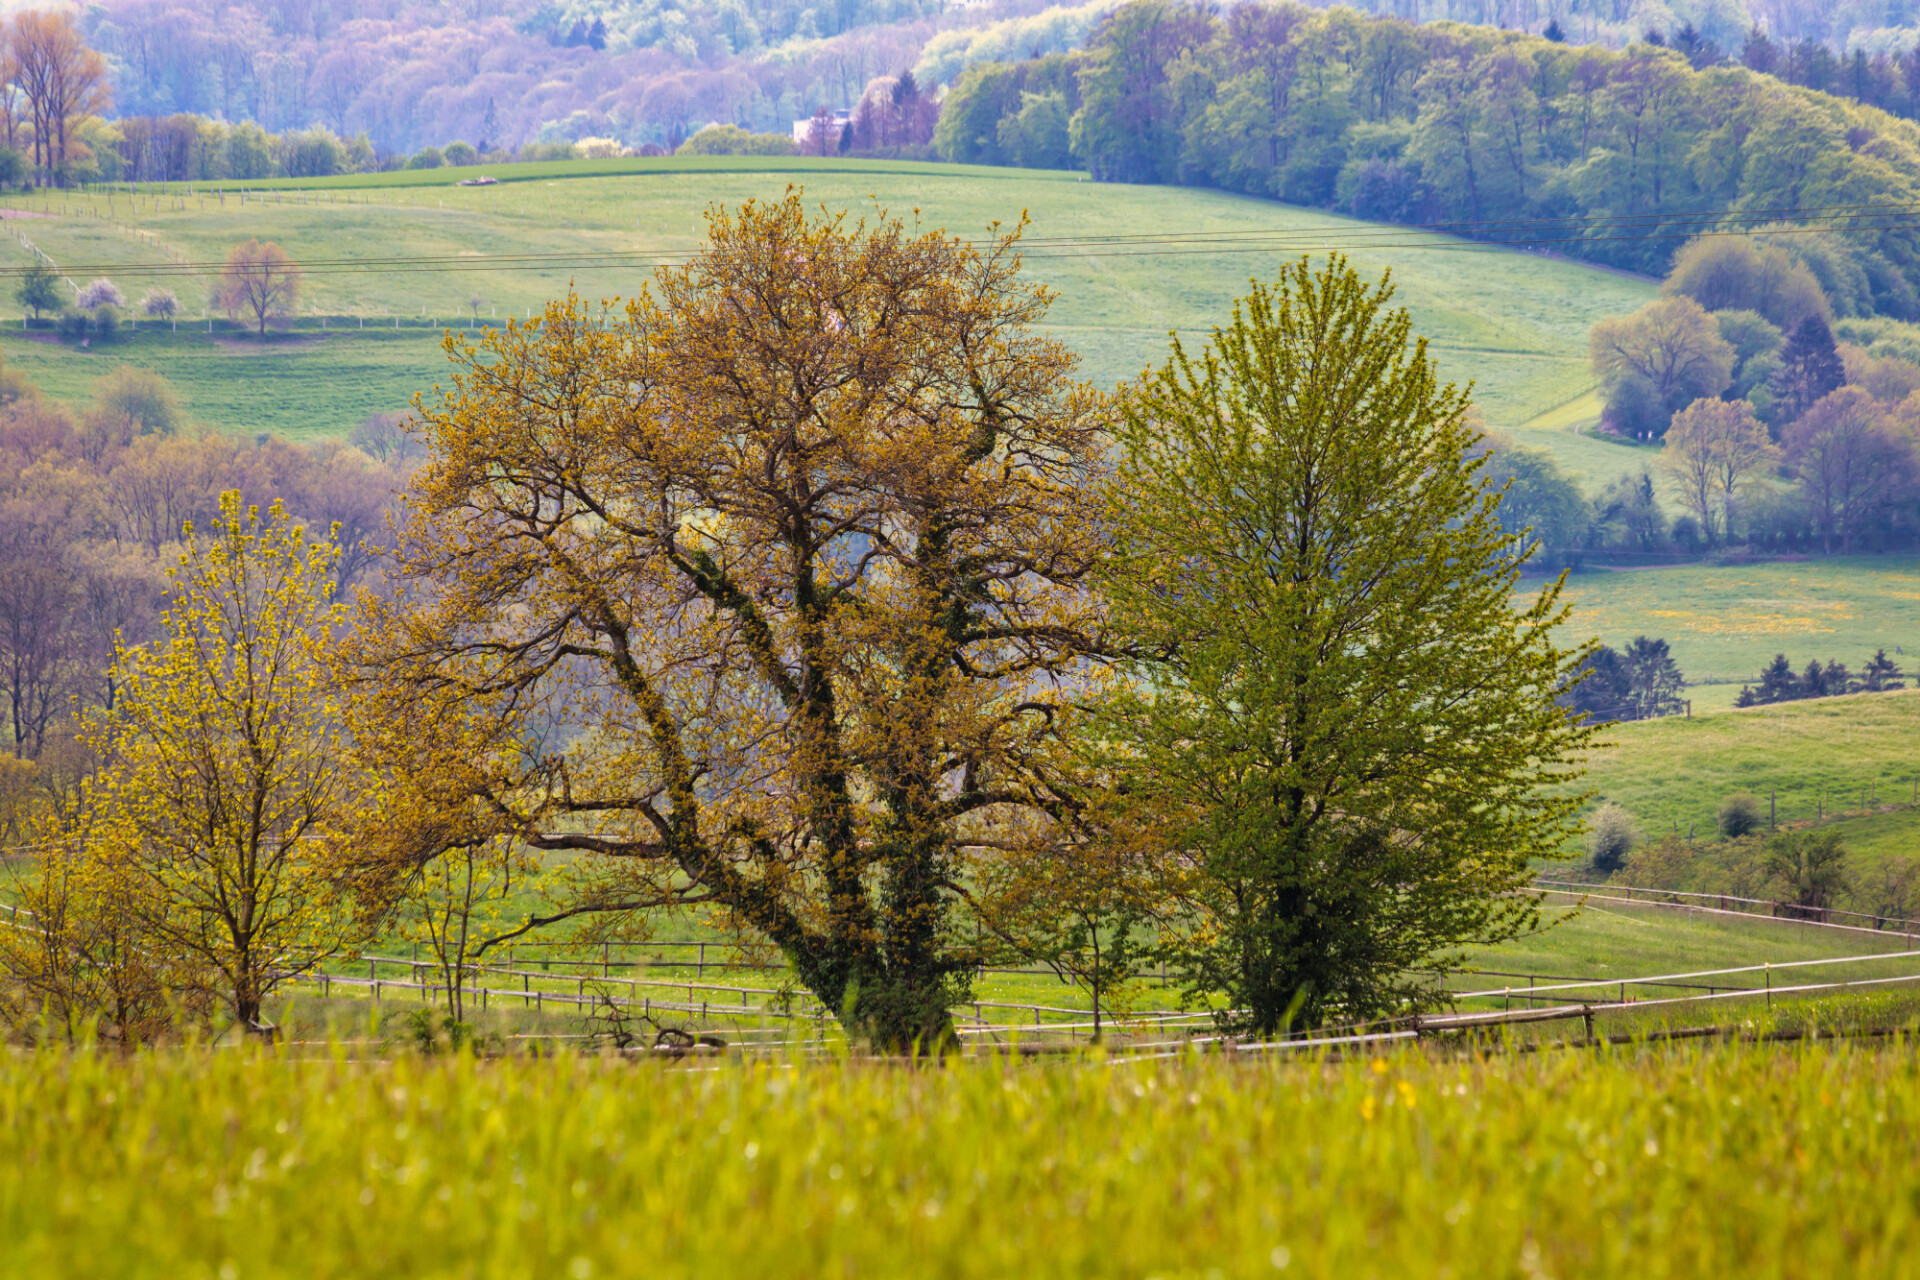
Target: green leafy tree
x=1343 y=722
x=1807 y=870
x=40 y=288
x=1657 y=361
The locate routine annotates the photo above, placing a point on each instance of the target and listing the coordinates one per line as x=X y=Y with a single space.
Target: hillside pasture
x=1724 y=623
x=1513 y=323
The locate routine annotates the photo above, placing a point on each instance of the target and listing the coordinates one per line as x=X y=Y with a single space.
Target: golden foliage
x=784 y=558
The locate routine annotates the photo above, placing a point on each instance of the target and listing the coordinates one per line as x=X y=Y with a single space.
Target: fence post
x=1769 y=984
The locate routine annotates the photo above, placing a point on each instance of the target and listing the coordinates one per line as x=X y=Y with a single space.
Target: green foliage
x=145 y=399
x=1739 y=815
x=1611 y=835
x=1740 y=273
x=1349 y=726
x=1808 y=868
x=732 y=140
x=460 y=153
x=1275 y=101
x=1656 y=362
x=39 y=288
x=426 y=158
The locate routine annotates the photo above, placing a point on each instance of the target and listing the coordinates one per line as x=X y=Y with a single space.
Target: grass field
x=1724 y=623
x=1513 y=323
x=1849 y=754
x=1723 y=1160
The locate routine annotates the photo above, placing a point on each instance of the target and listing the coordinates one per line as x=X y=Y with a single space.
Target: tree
x=63 y=79
x=1653 y=679
x=145 y=399
x=222 y=760
x=160 y=304
x=40 y=288
x=1777 y=684
x=1611 y=835
x=1847 y=461
x=1600 y=689
x=1808 y=870
x=799 y=542
x=1656 y=361
x=1881 y=674
x=262 y=281
x=1740 y=273
x=1712 y=447
x=1810 y=369
x=1335 y=711
x=101 y=293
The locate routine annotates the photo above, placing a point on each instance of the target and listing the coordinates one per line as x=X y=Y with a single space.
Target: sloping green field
x=1513 y=323
x=1724 y=623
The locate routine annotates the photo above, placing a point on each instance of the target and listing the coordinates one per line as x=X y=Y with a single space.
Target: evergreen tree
x=1553 y=32
x=1777 y=684
x=489 y=129
x=597 y=34
x=1602 y=689
x=1654 y=679
x=1809 y=369
x=1881 y=674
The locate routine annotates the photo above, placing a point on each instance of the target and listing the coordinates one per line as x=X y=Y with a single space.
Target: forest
x=1615 y=156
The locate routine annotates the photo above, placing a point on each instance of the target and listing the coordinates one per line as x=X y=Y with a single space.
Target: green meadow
x=1694 y=1159
x=1514 y=324
x=1725 y=622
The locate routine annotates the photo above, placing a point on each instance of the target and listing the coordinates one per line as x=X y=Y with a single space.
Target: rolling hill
x=1512 y=323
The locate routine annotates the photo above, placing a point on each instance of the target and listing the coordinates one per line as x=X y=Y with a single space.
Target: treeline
x=1484 y=128
x=409 y=74
x=1774 y=432
x=91 y=511
x=1778 y=683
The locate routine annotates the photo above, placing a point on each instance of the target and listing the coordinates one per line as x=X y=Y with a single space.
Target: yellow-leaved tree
x=223 y=766
x=792 y=547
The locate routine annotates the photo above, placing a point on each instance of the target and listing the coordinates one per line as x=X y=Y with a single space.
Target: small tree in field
x=223 y=759
x=40 y=288
x=1342 y=720
x=1611 y=835
x=261 y=282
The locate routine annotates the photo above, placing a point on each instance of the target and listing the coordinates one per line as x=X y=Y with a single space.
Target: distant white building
x=841 y=119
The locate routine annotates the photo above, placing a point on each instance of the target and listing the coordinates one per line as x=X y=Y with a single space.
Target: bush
x=429 y=158
x=160 y=304
x=72 y=324
x=106 y=321
x=1739 y=816
x=101 y=293
x=460 y=153
x=1611 y=835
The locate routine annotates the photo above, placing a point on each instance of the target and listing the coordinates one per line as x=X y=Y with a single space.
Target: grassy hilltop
x=1515 y=324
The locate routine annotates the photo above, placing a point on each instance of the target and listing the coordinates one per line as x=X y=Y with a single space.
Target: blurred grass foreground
x=1694 y=1159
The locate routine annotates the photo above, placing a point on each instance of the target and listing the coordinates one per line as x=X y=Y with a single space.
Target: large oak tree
x=784 y=554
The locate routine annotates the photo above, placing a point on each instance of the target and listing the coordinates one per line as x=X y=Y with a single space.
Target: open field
x=1852 y=754
x=1514 y=323
x=1726 y=622
x=1685 y=1161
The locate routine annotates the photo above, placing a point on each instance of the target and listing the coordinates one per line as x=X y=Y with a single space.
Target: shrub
x=1739 y=815
x=1611 y=835
x=72 y=324
x=106 y=321
x=460 y=153
x=101 y=293
x=429 y=158
x=598 y=149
